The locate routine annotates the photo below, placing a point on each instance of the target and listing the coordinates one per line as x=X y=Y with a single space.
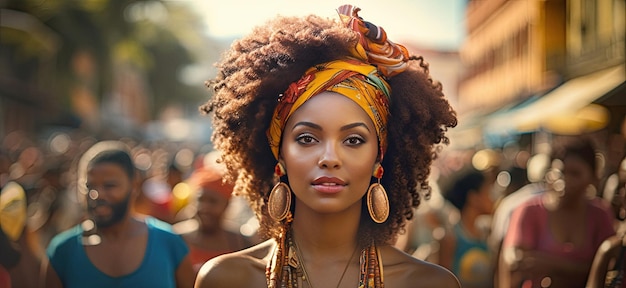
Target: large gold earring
x=377 y=201
x=279 y=201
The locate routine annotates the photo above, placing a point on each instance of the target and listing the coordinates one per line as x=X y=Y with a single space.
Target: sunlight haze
x=433 y=23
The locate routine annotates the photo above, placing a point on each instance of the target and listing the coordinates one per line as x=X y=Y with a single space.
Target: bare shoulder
x=245 y=268
x=404 y=270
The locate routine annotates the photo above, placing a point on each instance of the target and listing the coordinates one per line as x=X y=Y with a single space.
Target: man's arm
x=50 y=278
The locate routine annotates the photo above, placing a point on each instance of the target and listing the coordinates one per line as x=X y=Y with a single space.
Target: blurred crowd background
x=527 y=75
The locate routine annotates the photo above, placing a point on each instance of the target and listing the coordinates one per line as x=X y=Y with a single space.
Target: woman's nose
x=330 y=157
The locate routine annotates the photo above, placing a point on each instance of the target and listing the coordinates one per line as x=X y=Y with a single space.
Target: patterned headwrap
x=360 y=77
x=374 y=47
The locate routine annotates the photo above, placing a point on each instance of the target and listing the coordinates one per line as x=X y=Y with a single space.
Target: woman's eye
x=355 y=140
x=305 y=139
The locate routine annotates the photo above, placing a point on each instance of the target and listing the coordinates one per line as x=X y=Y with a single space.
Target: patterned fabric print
x=383 y=59
x=351 y=78
x=390 y=58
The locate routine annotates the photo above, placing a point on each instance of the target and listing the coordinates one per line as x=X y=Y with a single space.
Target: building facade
x=535 y=67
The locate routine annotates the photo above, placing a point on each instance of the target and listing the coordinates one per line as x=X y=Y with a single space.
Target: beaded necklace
x=284 y=267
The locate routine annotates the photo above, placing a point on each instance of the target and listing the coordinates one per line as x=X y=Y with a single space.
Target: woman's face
x=578 y=175
x=329 y=149
x=211 y=208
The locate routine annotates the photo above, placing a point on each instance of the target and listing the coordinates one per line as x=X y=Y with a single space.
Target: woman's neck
x=552 y=201
x=210 y=231
x=326 y=233
x=327 y=244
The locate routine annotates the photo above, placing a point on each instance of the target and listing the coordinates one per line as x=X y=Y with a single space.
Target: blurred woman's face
x=211 y=207
x=578 y=175
x=329 y=149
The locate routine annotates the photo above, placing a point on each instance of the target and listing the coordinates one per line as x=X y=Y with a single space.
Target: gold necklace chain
x=306 y=275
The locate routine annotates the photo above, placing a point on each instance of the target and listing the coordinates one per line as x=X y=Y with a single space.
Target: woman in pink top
x=553 y=237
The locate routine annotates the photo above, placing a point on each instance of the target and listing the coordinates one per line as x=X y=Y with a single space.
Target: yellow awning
x=567 y=100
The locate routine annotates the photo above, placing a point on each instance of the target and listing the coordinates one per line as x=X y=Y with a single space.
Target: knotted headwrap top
x=389 y=58
x=360 y=77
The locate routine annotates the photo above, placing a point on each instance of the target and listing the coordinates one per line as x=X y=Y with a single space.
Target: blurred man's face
x=109 y=190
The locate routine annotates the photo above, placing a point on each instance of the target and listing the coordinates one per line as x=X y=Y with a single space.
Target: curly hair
x=259 y=67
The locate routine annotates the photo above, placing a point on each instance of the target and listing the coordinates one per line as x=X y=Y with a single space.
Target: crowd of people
x=325 y=171
x=94 y=210
x=523 y=232
x=561 y=227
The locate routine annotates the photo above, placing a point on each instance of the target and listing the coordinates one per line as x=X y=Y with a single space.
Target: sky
x=436 y=24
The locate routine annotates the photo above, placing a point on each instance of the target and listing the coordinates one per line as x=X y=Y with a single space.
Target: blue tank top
x=164 y=252
x=472 y=261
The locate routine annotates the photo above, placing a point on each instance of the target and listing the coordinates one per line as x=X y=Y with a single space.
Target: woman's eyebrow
x=308 y=124
x=353 y=125
x=343 y=128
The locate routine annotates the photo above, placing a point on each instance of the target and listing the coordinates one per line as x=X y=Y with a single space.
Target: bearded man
x=113 y=248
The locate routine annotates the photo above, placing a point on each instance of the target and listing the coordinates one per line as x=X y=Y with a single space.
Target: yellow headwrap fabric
x=359 y=77
x=351 y=78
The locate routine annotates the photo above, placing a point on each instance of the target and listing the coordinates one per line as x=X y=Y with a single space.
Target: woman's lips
x=325 y=180
x=328 y=185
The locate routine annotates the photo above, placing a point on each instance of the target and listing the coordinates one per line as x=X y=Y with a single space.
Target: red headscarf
x=209 y=177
